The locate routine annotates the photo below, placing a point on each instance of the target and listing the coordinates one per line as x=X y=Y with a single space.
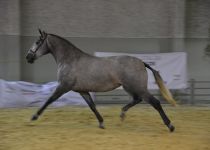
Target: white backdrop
x=25 y=94
x=171 y=66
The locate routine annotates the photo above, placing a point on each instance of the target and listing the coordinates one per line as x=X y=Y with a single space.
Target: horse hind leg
x=156 y=104
x=124 y=109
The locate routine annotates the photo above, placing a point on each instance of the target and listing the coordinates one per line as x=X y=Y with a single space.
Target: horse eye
x=38 y=41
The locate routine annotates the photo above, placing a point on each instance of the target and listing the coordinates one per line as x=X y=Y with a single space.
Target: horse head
x=39 y=48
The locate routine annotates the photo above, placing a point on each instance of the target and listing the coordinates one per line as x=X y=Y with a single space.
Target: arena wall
x=134 y=26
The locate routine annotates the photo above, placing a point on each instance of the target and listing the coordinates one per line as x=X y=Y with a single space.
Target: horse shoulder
x=65 y=74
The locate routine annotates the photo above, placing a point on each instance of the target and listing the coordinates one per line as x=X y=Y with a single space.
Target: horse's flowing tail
x=163 y=89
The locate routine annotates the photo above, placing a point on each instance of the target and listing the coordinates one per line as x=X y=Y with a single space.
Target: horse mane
x=63 y=39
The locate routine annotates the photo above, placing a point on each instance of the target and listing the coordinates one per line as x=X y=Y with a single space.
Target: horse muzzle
x=30 y=58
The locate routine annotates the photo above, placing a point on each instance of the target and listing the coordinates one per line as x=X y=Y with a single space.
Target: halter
x=41 y=41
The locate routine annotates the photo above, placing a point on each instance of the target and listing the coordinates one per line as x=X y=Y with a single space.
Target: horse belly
x=92 y=87
x=95 y=83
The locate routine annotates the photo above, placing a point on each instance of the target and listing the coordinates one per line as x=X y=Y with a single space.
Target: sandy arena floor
x=76 y=128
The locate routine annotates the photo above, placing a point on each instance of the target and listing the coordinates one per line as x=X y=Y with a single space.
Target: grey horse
x=84 y=73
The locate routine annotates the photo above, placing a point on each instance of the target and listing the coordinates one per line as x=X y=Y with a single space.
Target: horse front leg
x=92 y=106
x=60 y=90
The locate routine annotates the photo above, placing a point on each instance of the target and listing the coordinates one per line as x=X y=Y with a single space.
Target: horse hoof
x=171 y=128
x=34 y=117
x=101 y=125
x=122 y=116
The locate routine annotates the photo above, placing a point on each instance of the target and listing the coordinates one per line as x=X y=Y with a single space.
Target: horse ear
x=40 y=31
x=44 y=33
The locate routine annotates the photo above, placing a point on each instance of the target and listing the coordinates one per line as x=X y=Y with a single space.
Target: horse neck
x=63 y=51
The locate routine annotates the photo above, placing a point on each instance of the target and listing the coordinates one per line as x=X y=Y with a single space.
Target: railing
x=198 y=92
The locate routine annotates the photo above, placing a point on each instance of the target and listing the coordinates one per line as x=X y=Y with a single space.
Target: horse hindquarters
x=136 y=86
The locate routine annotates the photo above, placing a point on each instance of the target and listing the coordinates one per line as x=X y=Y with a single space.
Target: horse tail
x=163 y=89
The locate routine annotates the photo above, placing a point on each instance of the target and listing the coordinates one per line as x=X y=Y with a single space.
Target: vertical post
x=177 y=25
x=192 y=91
